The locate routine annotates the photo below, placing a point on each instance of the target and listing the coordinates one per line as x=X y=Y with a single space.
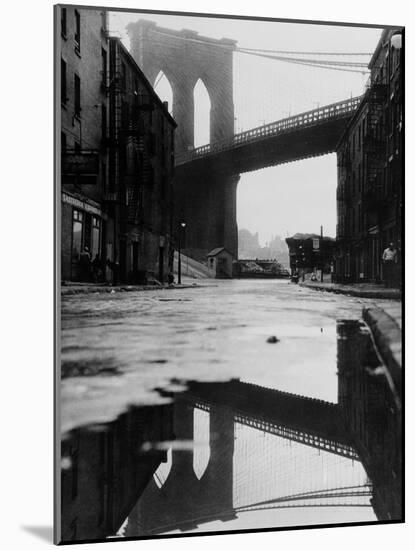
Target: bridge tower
x=206 y=201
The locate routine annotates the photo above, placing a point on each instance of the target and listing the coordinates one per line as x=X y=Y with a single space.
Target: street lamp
x=179 y=262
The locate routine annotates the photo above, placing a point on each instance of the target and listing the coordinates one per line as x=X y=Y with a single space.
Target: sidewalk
x=363 y=290
x=385 y=324
x=91 y=288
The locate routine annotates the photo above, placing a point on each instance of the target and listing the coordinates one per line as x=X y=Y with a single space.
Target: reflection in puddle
x=222 y=453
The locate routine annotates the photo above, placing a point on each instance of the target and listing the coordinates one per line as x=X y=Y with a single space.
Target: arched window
x=164 y=90
x=201 y=114
x=201 y=451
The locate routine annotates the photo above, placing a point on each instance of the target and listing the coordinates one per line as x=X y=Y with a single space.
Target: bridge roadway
x=309 y=134
x=305 y=420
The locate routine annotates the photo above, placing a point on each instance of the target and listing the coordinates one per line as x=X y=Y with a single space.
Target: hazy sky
x=296 y=197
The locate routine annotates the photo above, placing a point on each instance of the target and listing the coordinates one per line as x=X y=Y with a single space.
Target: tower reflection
x=262 y=450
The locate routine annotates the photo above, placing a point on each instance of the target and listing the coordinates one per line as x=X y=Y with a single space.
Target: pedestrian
x=295 y=277
x=170 y=278
x=332 y=272
x=85 y=264
x=389 y=259
x=96 y=269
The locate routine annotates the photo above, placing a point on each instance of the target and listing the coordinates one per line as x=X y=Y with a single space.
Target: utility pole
x=321 y=252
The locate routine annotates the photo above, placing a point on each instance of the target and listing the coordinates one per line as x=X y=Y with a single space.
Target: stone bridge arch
x=184 y=59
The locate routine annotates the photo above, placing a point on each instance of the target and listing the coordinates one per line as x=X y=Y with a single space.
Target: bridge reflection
x=264 y=449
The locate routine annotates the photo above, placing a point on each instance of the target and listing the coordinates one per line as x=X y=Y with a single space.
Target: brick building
x=141 y=164
x=117 y=157
x=82 y=37
x=310 y=252
x=370 y=177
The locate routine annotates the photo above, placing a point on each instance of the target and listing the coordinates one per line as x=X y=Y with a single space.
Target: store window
x=96 y=236
x=77 y=226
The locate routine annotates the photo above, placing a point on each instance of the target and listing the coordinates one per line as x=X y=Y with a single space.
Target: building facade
x=370 y=171
x=310 y=252
x=141 y=164
x=117 y=159
x=83 y=47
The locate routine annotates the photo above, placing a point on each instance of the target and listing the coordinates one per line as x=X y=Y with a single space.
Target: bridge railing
x=308 y=118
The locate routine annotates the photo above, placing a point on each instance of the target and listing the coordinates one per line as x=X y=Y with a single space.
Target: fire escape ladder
x=374 y=142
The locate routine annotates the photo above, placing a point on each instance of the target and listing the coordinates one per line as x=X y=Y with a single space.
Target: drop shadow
x=43 y=532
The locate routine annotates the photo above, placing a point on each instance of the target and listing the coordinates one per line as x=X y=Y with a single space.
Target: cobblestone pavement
x=117 y=349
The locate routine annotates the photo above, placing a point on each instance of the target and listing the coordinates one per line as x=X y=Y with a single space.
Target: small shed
x=220 y=261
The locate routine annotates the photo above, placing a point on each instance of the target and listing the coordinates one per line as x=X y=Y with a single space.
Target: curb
x=388 y=339
x=359 y=293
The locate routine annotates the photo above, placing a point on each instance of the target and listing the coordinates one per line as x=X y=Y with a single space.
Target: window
x=63 y=82
x=77 y=31
x=96 y=232
x=63 y=22
x=77 y=96
x=77 y=225
x=104 y=66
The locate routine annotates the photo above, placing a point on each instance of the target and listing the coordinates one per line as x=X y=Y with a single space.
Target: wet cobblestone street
x=119 y=349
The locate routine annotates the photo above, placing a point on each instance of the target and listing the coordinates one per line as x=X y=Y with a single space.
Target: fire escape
x=131 y=148
x=343 y=194
x=374 y=144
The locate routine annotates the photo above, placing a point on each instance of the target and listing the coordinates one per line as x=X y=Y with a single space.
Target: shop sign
x=85 y=206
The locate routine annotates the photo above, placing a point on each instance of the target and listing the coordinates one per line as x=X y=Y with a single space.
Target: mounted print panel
x=229 y=225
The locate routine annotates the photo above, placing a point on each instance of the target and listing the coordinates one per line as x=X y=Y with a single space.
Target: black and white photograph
x=229 y=247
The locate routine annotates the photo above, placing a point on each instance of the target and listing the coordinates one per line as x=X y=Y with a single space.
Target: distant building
x=249 y=248
x=370 y=178
x=83 y=114
x=141 y=164
x=221 y=261
x=310 y=252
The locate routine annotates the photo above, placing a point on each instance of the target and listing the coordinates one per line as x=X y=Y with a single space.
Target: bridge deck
x=332 y=119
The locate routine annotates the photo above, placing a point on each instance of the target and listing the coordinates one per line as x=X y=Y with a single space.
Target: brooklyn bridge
x=219 y=405
x=206 y=177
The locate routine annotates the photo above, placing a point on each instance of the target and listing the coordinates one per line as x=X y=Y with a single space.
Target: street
x=229 y=390
x=118 y=348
